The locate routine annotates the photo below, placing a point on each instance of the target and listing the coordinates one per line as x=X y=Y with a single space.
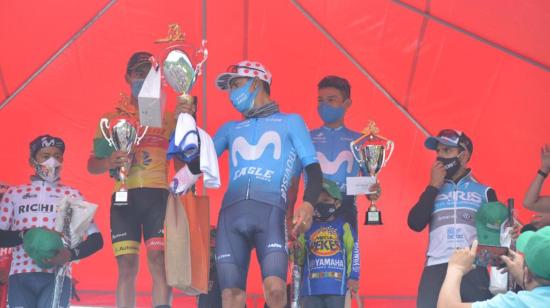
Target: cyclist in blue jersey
x=448 y=206
x=332 y=141
x=267 y=152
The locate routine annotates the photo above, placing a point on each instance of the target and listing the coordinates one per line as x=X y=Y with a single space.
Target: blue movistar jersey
x=334 y=154
x=266 y=156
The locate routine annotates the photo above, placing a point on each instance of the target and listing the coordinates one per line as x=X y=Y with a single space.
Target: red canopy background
x=482 y=67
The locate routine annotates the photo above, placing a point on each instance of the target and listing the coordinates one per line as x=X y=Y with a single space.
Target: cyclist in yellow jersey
x=147 y=185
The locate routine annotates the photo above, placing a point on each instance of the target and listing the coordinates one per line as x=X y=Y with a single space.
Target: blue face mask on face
x=136 y=86
x=242 y=99
x=330 y=114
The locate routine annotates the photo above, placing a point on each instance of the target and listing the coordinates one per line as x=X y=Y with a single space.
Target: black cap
x=137 y=59
x=45 y=141
x=450 y=137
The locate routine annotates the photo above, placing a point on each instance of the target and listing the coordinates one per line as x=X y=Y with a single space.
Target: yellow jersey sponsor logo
x=325 y=242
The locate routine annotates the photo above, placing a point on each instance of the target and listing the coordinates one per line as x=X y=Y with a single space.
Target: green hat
x=40 y=244
x=536 y=248
x=332 y=189
x=489 y=218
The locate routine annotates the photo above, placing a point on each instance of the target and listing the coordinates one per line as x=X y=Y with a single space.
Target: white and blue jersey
x=453 y=218
x=266 y=156
x=333 y=151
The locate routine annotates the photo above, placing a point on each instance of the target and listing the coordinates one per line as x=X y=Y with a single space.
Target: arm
x=460 y=264
x=352 y=252
x=92 y=244
x=421 y=213
x=533 y=200
x=449 y=296
x=103 y=158
x=301 y=140
x=221 y=140
x=10 y=238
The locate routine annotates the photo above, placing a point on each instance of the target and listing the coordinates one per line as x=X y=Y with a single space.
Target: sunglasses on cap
x=235 y=68
x=450 y=135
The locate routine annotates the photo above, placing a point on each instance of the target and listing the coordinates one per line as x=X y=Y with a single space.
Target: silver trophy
x=179 y=72
x=372 y=152
x=122 y=134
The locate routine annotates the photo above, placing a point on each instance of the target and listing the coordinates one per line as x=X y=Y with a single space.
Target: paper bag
x=177 y=252
x=151 y=99
x=187 y=250
x=198 y=214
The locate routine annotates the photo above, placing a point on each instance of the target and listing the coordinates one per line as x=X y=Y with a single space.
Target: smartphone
x=488 y=255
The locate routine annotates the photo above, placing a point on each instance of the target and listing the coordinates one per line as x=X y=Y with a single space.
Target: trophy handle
x=142 y=135
x=352 y=148
x=390 y=147
x=104 y=124
x=204 y=51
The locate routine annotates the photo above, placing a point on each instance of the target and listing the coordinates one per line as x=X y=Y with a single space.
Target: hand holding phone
x=488 y=255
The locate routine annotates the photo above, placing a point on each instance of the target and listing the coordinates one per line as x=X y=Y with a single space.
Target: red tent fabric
x=415 y=66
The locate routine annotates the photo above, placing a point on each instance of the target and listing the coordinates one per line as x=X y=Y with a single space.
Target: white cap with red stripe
x=245 y=68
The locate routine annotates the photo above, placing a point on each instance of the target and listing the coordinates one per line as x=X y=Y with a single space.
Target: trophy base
x=121 y=198
x=373 y=218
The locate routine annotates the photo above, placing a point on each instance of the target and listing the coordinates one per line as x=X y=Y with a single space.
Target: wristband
x=542 y=173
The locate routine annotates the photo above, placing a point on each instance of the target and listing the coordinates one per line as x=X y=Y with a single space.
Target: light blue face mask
x=330 y=114
x=242 y=99
x=136 y=86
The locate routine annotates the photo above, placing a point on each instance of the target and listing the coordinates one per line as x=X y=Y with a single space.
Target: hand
x=63 y=256
x=302 y=219
x=463 y=259
x=516 y=229
x=437 y=175
x=514 y=266
x=375 y=196
x=117 y=159
x=545 y=158
x=293 y=245
x=184 y=104
x=353 y=286
x=541 y=220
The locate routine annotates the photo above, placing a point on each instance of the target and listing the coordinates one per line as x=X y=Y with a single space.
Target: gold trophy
x=372 y=152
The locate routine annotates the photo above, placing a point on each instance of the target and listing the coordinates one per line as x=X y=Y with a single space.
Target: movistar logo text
x=253 y=152
x=332 y=166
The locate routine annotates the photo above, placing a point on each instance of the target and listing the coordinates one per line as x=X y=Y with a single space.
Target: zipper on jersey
x=455 y=198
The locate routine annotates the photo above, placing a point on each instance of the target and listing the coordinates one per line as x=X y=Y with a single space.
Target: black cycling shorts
x=243 y=226
x=145 y=211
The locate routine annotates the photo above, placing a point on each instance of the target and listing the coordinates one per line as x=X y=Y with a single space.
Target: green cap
x=40 y=244
x=535 y=246
x=489 y=218
x=332 y=189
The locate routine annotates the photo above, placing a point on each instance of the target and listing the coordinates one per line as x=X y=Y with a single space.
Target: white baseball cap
x=245 y=68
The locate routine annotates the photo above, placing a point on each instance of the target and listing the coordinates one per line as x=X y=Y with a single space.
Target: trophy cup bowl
x=372 y=152
x=179 y=72
x=122 y=134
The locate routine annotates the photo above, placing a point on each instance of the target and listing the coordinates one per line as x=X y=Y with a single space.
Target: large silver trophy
x=372 y=152
x=177 y=68
x=122 y=134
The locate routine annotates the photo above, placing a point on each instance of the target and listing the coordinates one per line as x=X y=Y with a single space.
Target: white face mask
x=48 y=170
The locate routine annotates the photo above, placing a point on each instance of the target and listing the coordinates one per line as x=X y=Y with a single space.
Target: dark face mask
x=451 y=165
x=324 y=211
